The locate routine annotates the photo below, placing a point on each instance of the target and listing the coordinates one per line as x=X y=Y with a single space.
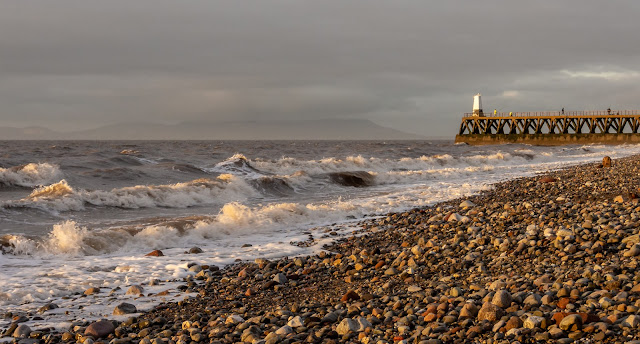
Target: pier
x=550 y=127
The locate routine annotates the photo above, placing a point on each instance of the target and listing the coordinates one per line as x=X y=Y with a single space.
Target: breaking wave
x=30 y=175
x=60 y=197
x=72 y=239
x=238 y=164
x=285 y=166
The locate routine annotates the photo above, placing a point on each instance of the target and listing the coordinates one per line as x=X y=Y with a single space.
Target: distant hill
x=343 y=129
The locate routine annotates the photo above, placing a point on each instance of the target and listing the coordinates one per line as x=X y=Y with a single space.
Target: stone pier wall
x=548 y=139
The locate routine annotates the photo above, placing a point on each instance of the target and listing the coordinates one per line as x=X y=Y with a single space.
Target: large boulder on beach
x=469 y=310
x=502 y=299
x=22 y=331
x=490 y=312
x=632 y=321
x=124 y=308
x=280 y=278
x=350 y=295
x=99 y=329
x=633 y=251
x=347 y=325
x=284 y=330
x=535 y=322
x=467 y=204
x=606 y=161
x=295 y=322
x=352 y=325
x=251 y=334
x=571 y=322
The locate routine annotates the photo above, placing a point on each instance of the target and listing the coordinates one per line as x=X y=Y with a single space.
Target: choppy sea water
x=75 y=215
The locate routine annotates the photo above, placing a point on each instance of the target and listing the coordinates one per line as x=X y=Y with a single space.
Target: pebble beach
x=544 y=259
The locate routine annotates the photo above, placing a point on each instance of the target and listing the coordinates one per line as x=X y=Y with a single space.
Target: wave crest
x=60 y=197
x=30 y=175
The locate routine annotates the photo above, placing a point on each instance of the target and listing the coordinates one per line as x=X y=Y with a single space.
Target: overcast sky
x=411 y=65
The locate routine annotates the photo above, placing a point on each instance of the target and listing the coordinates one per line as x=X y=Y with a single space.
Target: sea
x=81 y=214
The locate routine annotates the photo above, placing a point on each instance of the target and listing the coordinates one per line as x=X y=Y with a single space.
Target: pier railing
x=552 y=122
x=557 y=113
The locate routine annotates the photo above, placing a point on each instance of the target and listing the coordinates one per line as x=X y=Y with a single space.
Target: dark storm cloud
x=413 y=65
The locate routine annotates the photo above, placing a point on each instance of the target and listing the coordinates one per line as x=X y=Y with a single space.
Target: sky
x=410 y=65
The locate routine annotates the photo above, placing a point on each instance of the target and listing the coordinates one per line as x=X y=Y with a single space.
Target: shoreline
x=510 y=266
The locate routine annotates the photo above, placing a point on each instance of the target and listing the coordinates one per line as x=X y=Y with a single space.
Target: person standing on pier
x=563 y=111
x=609 y=111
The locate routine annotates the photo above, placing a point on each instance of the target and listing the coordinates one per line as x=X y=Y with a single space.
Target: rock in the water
x=99 y=329
x=195 y=250
x=490 y=312
x=92 y=290
x=135 y=290
x=47 y=307
x=155 y=253
x=22 y=331
x=124 y=308
x=352 y=178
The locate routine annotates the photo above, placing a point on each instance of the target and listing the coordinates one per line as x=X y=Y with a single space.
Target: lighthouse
x=477 y=105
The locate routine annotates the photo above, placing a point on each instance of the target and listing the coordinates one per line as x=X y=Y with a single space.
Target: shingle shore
x=552 y=258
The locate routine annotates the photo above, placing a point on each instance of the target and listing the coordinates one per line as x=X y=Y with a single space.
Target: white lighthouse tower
x=477 y=105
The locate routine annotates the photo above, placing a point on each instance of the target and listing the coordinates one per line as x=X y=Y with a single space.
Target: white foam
x=58 y=277
x=61 y=197
x=30 y=175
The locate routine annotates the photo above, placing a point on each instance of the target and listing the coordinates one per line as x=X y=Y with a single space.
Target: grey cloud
x=413 y=65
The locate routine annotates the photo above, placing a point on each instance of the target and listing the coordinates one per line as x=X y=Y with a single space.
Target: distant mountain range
x=343 y=129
